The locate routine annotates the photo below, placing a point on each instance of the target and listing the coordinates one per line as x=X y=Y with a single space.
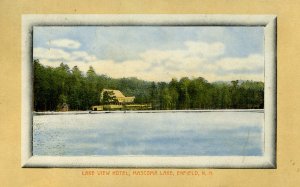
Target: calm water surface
x=171 y=134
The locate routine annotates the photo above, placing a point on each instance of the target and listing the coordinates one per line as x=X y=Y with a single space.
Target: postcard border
x=268 y=160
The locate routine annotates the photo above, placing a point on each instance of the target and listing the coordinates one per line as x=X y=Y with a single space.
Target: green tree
x=154 y=96
x=173 y=91
x=184 y=98
x=75 y=94
x=92 y=87
x=53 y=87
x=109 y=97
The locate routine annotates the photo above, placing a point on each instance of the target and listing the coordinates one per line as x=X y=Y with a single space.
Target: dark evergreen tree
x=54 y=87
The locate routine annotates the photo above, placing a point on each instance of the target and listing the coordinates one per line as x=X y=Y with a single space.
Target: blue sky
x=155 y=53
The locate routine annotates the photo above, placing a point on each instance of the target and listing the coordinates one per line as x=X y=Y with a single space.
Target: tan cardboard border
x=267 y=160
x=288 y=94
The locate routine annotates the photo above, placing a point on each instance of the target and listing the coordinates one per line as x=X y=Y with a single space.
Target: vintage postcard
x=149 y=91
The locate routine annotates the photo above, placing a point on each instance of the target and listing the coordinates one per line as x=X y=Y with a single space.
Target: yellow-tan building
x=117 y=101
x=119 y=96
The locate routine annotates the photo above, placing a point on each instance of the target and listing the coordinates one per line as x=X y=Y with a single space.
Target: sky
x=155 y=53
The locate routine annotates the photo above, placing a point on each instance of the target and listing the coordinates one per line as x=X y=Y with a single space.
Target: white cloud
x=203 y=49
x=194 y=60
x=250 y=63
x=199 y=50
x=64 y=43
x=82 y=55
x=59 y=54
x=50 y=54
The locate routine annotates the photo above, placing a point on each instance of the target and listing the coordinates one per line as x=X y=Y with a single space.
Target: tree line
x=55 y=86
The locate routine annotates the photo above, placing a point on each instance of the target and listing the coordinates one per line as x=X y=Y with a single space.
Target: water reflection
x=175 y=134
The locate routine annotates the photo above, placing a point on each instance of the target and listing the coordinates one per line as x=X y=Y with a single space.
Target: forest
x=55 y=86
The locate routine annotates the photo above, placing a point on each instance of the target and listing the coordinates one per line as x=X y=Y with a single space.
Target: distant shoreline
x=145 y=111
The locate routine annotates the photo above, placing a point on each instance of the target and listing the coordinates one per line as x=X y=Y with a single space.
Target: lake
x=190 y=133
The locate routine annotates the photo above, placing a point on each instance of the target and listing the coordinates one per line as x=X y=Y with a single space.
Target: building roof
x=117 y=93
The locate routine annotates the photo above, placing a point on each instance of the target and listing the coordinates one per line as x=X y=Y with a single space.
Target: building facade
x=114 y=96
